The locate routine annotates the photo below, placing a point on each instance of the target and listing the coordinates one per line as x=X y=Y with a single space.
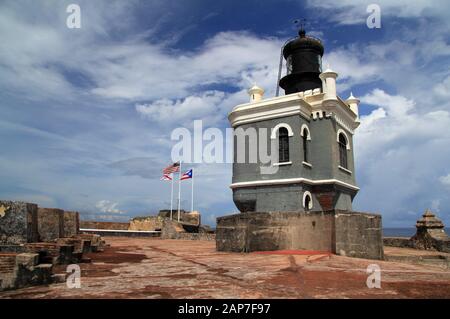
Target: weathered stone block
x=50 y=224
x=147 y=223
x=18 y=222
x=254 y=231
x=59 y=278
x=23 y=270
x=85 y=224
x=71 y=223
x=193 y=218
x=27 y=260
x=52 y=252
x=171 y=229
x=347 y=233
x=403 y=242
x=358 y=235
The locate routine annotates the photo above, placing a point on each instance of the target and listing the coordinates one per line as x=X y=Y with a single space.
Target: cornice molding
x=292 y=181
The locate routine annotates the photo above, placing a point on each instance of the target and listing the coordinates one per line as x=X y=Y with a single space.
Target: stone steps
x=7 y=262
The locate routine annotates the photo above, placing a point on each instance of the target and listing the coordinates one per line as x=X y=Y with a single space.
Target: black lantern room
x=303 y=57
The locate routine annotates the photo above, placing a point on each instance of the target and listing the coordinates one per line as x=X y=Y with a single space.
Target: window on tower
x=307 y=201
x=343 y=151
x=289 y=64
x=305 y=145
x=283 y=139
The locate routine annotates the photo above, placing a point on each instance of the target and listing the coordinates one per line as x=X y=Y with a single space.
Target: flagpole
x=192 y=192
x=171 y=197
x=179 y=193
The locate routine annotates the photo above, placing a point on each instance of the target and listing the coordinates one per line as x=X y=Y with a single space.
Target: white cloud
x=106 y=206
x=167 y=111
x=443 y=89
x=348 y=12
x=436 y=205
x=445 y=180
x=400 y=149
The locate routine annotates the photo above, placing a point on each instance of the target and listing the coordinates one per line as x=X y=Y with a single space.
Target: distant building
x=313 y=131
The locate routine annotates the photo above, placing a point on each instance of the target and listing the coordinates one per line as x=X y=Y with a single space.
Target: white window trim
x=307 y=164
x=304 y=126
x=310 y=206
x=341 y=131
x=282 y=163
x=273 y=135
x=345 y=169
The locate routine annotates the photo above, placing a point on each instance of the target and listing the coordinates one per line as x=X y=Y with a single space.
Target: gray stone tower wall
x=323 y=156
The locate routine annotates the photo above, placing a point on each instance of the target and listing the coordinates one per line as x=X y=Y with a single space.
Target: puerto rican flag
x=187 y=175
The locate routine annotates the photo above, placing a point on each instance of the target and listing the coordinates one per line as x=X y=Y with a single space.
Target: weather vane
x=300 y=22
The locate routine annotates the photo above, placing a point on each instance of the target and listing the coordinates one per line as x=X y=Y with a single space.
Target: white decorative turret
x=353 y=103
x=328 y=78
x=256 y=93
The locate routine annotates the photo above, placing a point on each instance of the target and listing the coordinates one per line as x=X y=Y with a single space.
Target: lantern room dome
x=303 y=42
x=303 y=57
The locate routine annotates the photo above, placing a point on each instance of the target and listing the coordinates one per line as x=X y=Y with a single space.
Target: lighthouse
x=312 y=129
x=302 y=199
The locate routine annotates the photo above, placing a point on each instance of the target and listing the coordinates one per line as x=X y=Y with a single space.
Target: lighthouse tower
x=301 y=198
x=312 y=129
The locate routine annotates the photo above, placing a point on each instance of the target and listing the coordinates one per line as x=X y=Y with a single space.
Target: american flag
x=175 y=167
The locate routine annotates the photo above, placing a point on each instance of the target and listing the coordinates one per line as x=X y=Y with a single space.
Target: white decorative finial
x=256 y=93
x=328 y=69
x=353 y=103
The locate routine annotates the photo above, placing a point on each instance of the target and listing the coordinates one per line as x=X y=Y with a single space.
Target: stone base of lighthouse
x=346 y=233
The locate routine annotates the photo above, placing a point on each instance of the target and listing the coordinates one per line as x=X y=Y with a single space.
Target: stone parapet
x=18 y=222
x=50 y=224
x=345 y=233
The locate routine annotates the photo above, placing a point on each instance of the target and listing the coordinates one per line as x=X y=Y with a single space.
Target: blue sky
x=86 y=114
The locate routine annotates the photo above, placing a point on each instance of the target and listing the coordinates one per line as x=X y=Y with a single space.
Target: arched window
x=343 y=151
x=307 y=201
x=305 y=134
x=283 y=144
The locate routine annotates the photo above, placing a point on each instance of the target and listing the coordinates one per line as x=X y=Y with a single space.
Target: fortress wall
x=50 y=224
x=18 y=222
x=146 y=223
x=103 y=225
x=358 y=235
x=71 y=223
